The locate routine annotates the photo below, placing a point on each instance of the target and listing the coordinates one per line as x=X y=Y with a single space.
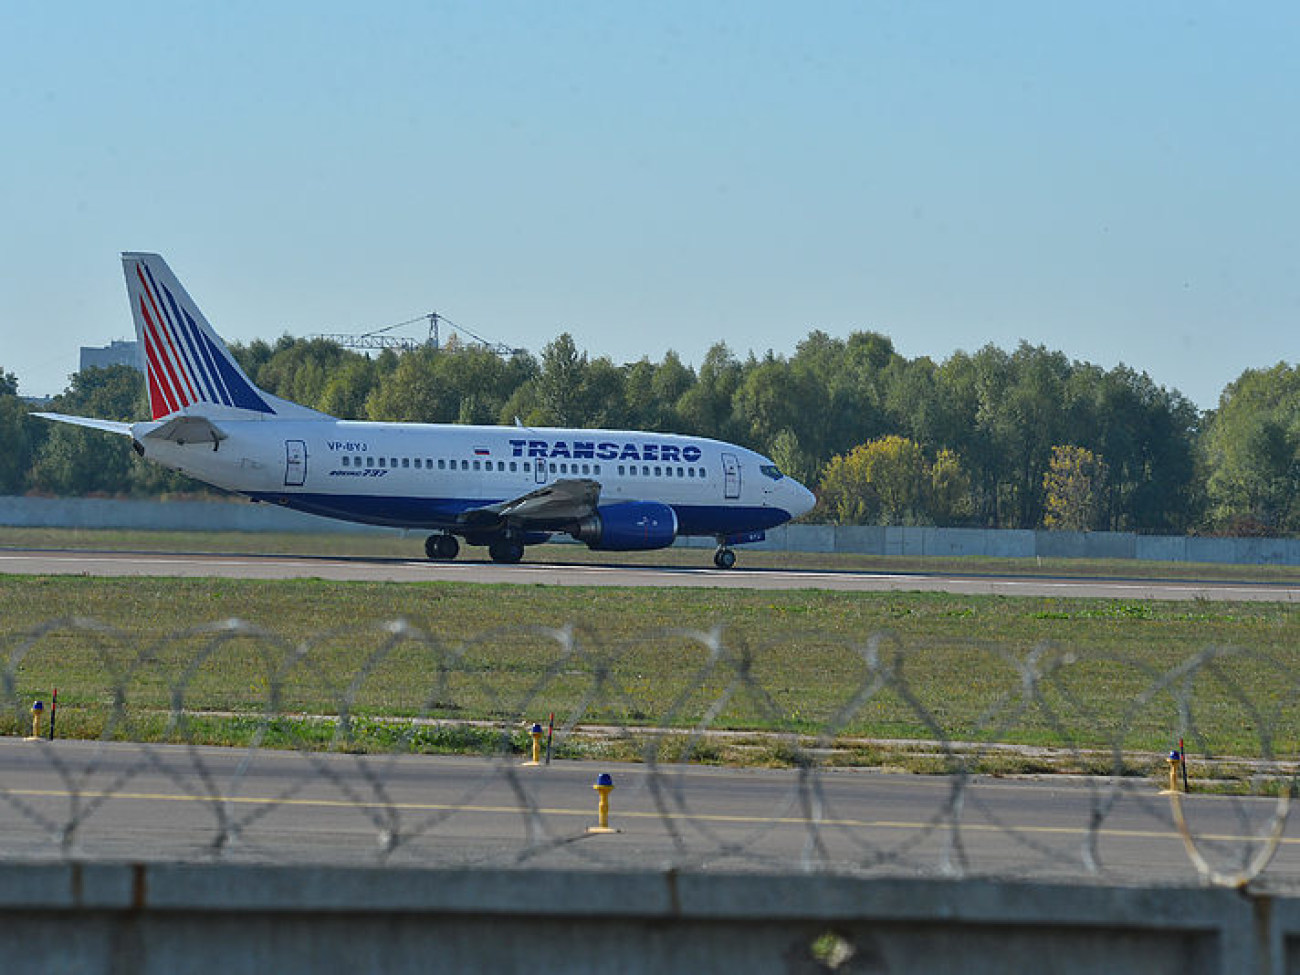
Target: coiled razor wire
x=159 y=703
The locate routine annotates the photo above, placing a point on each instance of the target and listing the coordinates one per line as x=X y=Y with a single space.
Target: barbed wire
x=391 y=744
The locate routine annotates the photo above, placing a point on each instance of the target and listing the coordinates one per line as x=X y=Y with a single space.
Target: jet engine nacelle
x=628 y=527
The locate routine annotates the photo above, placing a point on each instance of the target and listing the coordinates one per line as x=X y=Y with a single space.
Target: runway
x=353 y=569
x=170 y=802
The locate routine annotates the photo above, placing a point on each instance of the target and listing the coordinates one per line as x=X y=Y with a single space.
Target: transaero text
x=606 y=450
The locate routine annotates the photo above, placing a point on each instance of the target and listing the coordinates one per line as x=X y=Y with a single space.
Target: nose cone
x=801 y=499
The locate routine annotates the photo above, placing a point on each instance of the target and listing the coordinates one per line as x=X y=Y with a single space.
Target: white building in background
x=116 y=353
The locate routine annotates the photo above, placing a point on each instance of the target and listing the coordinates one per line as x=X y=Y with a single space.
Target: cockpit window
x=772 y=471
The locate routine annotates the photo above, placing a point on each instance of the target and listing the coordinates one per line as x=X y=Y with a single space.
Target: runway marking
x=1130 y=834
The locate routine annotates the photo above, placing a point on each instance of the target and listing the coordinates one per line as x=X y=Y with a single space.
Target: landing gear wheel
x=724 y=558
x=441 y=548
x=506 y=550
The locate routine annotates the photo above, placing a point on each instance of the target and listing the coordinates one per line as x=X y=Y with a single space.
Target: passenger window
x=382 y=462
x=464 y=465
x=476 y=467
x=659 y=472
x=345 y=461
x=406 y=462
x=595 y=468
x=645 y=470
x=528 y=467
x=512 y=467
x=680 y=472
x=552 y=467
x=442 y=464
x=370 y=462
x=620 y=470
x=586 y=468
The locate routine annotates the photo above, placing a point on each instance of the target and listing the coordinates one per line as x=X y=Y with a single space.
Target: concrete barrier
x=160 y=918
x=860 y=540
x=1085 y=545
x=1161 y=548
x=215 y=516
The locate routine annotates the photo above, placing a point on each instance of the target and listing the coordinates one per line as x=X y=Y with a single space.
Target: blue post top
x=604 y=778
x=536 y=730
x=1174 y=756
x=38 y=706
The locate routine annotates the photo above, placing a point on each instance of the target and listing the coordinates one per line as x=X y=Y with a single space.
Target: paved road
x=189 y=565
x=175 y=803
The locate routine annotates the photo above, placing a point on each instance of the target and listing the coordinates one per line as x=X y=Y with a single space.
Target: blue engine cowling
x=628 y=527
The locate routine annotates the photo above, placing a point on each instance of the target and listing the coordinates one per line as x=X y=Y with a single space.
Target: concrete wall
x=1011 y=544
x=1023 y=544
x=250 y=920
x=217 y=516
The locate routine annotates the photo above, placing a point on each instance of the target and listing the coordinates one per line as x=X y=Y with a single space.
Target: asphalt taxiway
x=123 y=801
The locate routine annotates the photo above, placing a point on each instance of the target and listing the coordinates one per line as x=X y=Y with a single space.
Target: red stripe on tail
x=160 y=390
x=169 y=354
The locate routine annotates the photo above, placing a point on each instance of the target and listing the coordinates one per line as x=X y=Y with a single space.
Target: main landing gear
x=441 y=548
x=724 y=558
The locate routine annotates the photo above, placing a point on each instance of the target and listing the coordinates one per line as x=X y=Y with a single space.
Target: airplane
x=501 y=487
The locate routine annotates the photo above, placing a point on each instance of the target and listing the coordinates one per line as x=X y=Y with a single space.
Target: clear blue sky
x=1118 y=181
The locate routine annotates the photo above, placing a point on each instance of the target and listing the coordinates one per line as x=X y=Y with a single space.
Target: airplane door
x=295 y=463
x=539 y=470
x=730 y=476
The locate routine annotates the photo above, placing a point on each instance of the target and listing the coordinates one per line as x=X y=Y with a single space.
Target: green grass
x=865 y=672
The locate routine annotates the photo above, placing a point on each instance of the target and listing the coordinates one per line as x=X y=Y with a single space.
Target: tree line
x=1019 y=439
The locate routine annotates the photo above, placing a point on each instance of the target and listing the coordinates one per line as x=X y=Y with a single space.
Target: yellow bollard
x=38 y=708
x=536 y=733
x=604 y=785
x=1175 y=763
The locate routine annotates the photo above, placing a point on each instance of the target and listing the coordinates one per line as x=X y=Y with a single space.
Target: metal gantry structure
x=377 y=339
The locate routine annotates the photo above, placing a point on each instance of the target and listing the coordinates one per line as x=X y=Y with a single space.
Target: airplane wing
x=181 y=429
x=112 y=426
x=556 y=504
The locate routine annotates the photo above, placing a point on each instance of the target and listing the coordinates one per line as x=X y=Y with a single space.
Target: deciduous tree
x=1252 y=451
x=1074 y=489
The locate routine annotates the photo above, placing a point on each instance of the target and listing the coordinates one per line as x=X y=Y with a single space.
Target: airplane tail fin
x=185 y=362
